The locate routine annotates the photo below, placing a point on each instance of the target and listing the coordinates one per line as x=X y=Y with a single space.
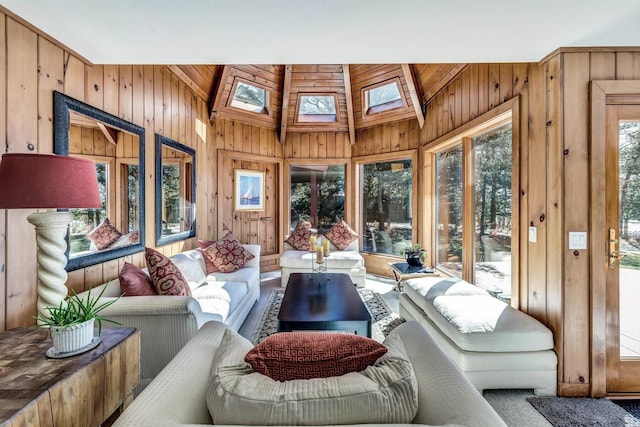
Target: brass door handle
x=613 y=253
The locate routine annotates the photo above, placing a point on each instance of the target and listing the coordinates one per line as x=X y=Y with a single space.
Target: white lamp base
x=51 y=232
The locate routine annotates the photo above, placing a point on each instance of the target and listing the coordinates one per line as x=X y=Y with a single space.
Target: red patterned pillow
x=135 y=282
x=167 y=278
x=228 y=254
x=341 y=235
x=209 y=266
x=304 y=355
x=104 y=235
x=299 y=239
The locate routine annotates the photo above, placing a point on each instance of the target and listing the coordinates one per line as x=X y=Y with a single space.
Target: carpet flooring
x=383 y=318
x=583 y=412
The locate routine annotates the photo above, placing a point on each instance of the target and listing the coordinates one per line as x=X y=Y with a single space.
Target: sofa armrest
x=255 y=251
x=445 y=395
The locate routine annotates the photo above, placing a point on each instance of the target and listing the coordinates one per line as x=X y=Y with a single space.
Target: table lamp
x=47 y=181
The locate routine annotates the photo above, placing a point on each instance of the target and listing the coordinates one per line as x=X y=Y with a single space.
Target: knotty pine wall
x=554 y=170
x=31 y=68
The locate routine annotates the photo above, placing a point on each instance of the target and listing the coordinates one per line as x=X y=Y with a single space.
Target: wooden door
x=622 y=188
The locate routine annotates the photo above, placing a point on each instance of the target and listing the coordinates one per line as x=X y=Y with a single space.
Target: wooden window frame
x=266 y=110
x=368 y=111
x=508 y=111
x=319 y=117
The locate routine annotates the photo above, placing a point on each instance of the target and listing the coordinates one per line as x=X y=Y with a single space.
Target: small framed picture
x=248 y=190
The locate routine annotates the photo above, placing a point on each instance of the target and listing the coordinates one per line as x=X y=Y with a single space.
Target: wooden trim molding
x=415 y=98
x=346 y=72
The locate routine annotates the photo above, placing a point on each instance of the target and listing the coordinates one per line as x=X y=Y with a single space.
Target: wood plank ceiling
x=347 y=82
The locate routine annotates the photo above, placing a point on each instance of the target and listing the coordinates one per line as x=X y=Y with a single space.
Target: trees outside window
x=387 y=206
x=317 y=196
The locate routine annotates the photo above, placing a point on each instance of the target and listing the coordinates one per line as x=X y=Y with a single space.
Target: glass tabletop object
x=404 y=268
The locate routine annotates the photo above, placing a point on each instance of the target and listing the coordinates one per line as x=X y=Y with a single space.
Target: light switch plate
x=533 y=234
x=578 y=240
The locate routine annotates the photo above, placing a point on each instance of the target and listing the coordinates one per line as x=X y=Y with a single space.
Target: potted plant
x=72 y=322
x=414 y=255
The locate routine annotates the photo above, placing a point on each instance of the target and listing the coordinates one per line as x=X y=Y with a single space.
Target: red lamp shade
x=47 y=181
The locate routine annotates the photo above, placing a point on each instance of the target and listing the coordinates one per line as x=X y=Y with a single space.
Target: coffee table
x=325 y=302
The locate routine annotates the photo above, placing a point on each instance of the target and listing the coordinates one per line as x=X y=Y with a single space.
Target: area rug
x=583 y=412
x=384 y=320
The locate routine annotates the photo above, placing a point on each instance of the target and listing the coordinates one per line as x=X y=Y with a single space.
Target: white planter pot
x=71 y=338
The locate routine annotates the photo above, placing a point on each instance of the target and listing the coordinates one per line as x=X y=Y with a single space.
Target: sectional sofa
x=167 y=323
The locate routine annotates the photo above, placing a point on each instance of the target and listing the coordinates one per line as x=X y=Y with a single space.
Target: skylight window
x=382 y=97
x=249 y=97
x=317 y=108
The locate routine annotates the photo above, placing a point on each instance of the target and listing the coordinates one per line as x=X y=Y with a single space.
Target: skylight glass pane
x=383 y=94
x=249 y=97
x=317 y=104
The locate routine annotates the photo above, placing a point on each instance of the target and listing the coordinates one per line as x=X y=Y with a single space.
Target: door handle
x=614 y=254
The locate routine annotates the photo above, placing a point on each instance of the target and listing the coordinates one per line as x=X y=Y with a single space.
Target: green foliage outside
x=629 y=181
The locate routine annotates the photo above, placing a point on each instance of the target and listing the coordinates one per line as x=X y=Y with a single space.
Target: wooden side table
x=403 y=271
x=90 y=389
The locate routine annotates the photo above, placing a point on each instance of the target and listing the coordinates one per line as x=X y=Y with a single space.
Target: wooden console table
x=90 y=389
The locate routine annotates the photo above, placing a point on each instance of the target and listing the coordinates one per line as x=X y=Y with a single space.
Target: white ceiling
x=329 y=31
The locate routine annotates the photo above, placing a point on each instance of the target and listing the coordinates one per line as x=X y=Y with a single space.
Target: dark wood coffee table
x=323 y=301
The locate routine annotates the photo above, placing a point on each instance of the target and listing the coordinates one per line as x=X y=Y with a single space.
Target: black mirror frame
x=168 y=142
x=62 y=104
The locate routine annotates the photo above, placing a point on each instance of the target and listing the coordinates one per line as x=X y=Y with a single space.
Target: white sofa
x=167 y=323
x=176 y=397
x=495 y=345
x=348 y=261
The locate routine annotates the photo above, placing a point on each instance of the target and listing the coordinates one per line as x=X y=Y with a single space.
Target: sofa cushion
x=228 y=254
x=191 y=265
x=383 y=393
x=299 y=239
x=337 y=259
x=341 y=235
x=289 y=356
x=104 y=234
x=167 y=278
x=246 y=275
x=134 y=281
x=482 y=323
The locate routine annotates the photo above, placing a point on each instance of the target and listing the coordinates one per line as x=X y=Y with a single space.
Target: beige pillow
x=383 y=393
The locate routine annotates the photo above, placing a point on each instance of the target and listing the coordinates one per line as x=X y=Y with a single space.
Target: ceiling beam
x=219 y=95
x=346 y=73
x=415 y=99
x=285 y=103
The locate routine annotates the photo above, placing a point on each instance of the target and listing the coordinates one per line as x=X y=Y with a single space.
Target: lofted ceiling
x=418 y=82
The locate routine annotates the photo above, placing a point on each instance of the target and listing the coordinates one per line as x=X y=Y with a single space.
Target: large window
x=317 y=108
x=474 y=205
x=249 y=97
x=386 y=206
x=317 y=196
x=381 y=97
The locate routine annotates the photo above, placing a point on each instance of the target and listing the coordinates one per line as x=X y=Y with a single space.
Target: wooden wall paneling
x=125 y=95
x=506 y=82
x=158 y=107
x=627 y=65
x=474 y=75
x=457 y=102
x=466 y=95
x=94 y=82
x=534 y=294
x=494 y=85
x=50 y=78
x=168 y=104
x=111 y=84
x=149 y=129
x=74 y=77
x=575 y=93
x=483 y=88
x=3 y=144
x=555 y=207
x=22 y=130
x=137 y=89
x=174 y=96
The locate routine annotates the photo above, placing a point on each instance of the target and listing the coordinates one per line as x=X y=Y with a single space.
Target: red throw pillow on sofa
x=208 y=262
x=104 y=235
x=167 y=278
x=135 y=282
x=227 y=255
x=341 y=235
x=299 y=239
x=289 y=356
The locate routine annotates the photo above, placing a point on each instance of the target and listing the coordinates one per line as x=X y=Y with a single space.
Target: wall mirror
x=175 y=191
x=117 y=146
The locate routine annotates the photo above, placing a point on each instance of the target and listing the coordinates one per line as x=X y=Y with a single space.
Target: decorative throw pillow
x=299 y=239
x=167 y=278
x=209 y=266
x=228 y=255
x=341 y=235
x=385 y=392
x=104 y=235
x=287 y=356
x=135 y=282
